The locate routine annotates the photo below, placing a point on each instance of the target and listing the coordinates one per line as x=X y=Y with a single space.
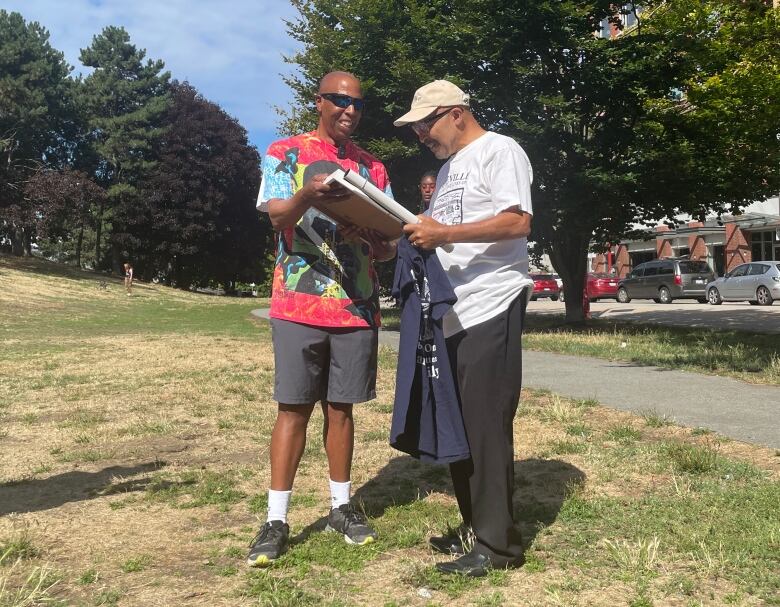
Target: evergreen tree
x=125 y=99
x=35 y=113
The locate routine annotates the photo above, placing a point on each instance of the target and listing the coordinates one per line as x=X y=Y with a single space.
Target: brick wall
x=696 y=244
x=737 y=249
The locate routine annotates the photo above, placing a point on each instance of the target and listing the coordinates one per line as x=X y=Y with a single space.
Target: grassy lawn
x=133 y=470
x=750 y=357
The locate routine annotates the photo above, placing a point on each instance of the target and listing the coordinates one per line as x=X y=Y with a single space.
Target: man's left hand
x=428 y=234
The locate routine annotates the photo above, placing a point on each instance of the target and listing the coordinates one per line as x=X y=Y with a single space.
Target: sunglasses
x=423 y=127
x=344 y=101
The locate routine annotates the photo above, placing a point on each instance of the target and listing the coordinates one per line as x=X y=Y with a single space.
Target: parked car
x=545 y=286
x=665 y=280
x=757 y=282
x=600 y=286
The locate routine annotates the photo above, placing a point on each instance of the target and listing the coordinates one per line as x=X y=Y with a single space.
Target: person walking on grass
x=128 y=278
x=324 y=309
x=482 y=208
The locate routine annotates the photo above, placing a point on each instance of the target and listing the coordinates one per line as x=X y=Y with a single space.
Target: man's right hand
x=317 y=191
x=285 y=213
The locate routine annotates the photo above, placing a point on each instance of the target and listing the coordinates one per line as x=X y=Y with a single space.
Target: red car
x=602 y=286
x=545 y=286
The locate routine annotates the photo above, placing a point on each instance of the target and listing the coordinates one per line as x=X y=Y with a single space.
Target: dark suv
x=664 y=280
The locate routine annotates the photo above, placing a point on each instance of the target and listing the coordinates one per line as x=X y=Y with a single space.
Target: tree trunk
x=98 y=232
x=79 y=241
x=569 y=257
x=27 y=241
x=17 y=241
x=116 y=258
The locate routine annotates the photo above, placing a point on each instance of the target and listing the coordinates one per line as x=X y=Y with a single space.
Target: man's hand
x=428 y=234
x=317 y=191
x=285 y=213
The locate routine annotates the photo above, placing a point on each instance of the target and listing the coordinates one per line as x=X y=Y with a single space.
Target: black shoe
x=269 y=544
x=472 y=564
x=351 y=524
x=452 y=542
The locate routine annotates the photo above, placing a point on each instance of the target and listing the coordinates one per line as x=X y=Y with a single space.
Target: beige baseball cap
x=427 y=98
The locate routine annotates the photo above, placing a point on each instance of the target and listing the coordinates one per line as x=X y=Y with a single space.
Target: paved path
x=733 y=408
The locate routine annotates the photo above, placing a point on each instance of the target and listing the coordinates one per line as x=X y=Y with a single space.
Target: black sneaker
x=453 y=541
x=269 y=544
x=352 y=524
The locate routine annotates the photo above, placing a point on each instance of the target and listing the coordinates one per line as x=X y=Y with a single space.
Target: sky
x=230 y=50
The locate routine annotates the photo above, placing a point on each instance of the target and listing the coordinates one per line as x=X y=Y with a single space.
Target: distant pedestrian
x=128 y=278
x=427 y=187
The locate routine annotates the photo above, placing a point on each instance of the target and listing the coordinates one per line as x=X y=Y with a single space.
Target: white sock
x=339 y=493
x=278 y=504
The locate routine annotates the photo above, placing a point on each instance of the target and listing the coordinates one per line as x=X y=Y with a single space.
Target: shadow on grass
x=541 y=487
x=43 y=494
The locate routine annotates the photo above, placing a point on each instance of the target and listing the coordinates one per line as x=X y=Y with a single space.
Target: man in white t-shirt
x=482 y=209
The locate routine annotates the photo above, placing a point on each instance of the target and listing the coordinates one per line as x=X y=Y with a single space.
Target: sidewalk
x=736 y=409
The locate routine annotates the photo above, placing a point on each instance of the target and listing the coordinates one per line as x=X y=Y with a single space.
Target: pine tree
x=35 y=111
x=125 y=99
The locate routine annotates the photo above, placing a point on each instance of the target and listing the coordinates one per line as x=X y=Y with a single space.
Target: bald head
x=338 y=81
x=338 y=94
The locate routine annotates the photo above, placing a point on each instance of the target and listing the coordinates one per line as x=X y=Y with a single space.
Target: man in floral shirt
x=324 y=308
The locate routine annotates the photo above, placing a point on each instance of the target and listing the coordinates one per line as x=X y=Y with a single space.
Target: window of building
x=762 y=245
x=638 y=257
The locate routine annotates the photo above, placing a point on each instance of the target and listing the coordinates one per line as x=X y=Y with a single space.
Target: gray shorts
x=323 y=363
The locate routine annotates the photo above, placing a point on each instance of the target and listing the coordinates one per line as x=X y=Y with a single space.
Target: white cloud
x=231 y=51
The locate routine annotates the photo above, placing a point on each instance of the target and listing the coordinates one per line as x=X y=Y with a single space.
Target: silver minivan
x=665 y=280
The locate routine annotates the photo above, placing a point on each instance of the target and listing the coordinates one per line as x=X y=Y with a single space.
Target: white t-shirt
x=489 y=175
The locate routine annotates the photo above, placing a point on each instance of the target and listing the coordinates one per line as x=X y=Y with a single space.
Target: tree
x=203 y=223
x=633 y=129
x=35 y=110
x=64 y=204
x=125 y=99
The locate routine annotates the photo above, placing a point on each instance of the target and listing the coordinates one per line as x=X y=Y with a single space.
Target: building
x=723 y=243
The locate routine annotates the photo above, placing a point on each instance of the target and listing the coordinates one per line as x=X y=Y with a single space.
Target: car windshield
x=600 y=275
x=543 y=277
x=778 y=267
x=693 y=267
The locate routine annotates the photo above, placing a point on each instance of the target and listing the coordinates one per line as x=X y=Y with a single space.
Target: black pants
x=487 y=361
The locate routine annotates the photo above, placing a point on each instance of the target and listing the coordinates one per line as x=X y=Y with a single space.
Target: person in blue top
x=482 y=208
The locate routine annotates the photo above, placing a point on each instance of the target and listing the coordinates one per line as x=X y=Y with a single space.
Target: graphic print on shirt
x=426 y=348
x=319 y=277
x=448 y=205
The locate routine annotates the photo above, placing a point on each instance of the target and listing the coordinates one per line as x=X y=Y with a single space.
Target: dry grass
x=133 y=471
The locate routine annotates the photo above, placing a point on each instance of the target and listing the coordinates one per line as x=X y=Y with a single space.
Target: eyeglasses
x=424 y=126
x=344 y=101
